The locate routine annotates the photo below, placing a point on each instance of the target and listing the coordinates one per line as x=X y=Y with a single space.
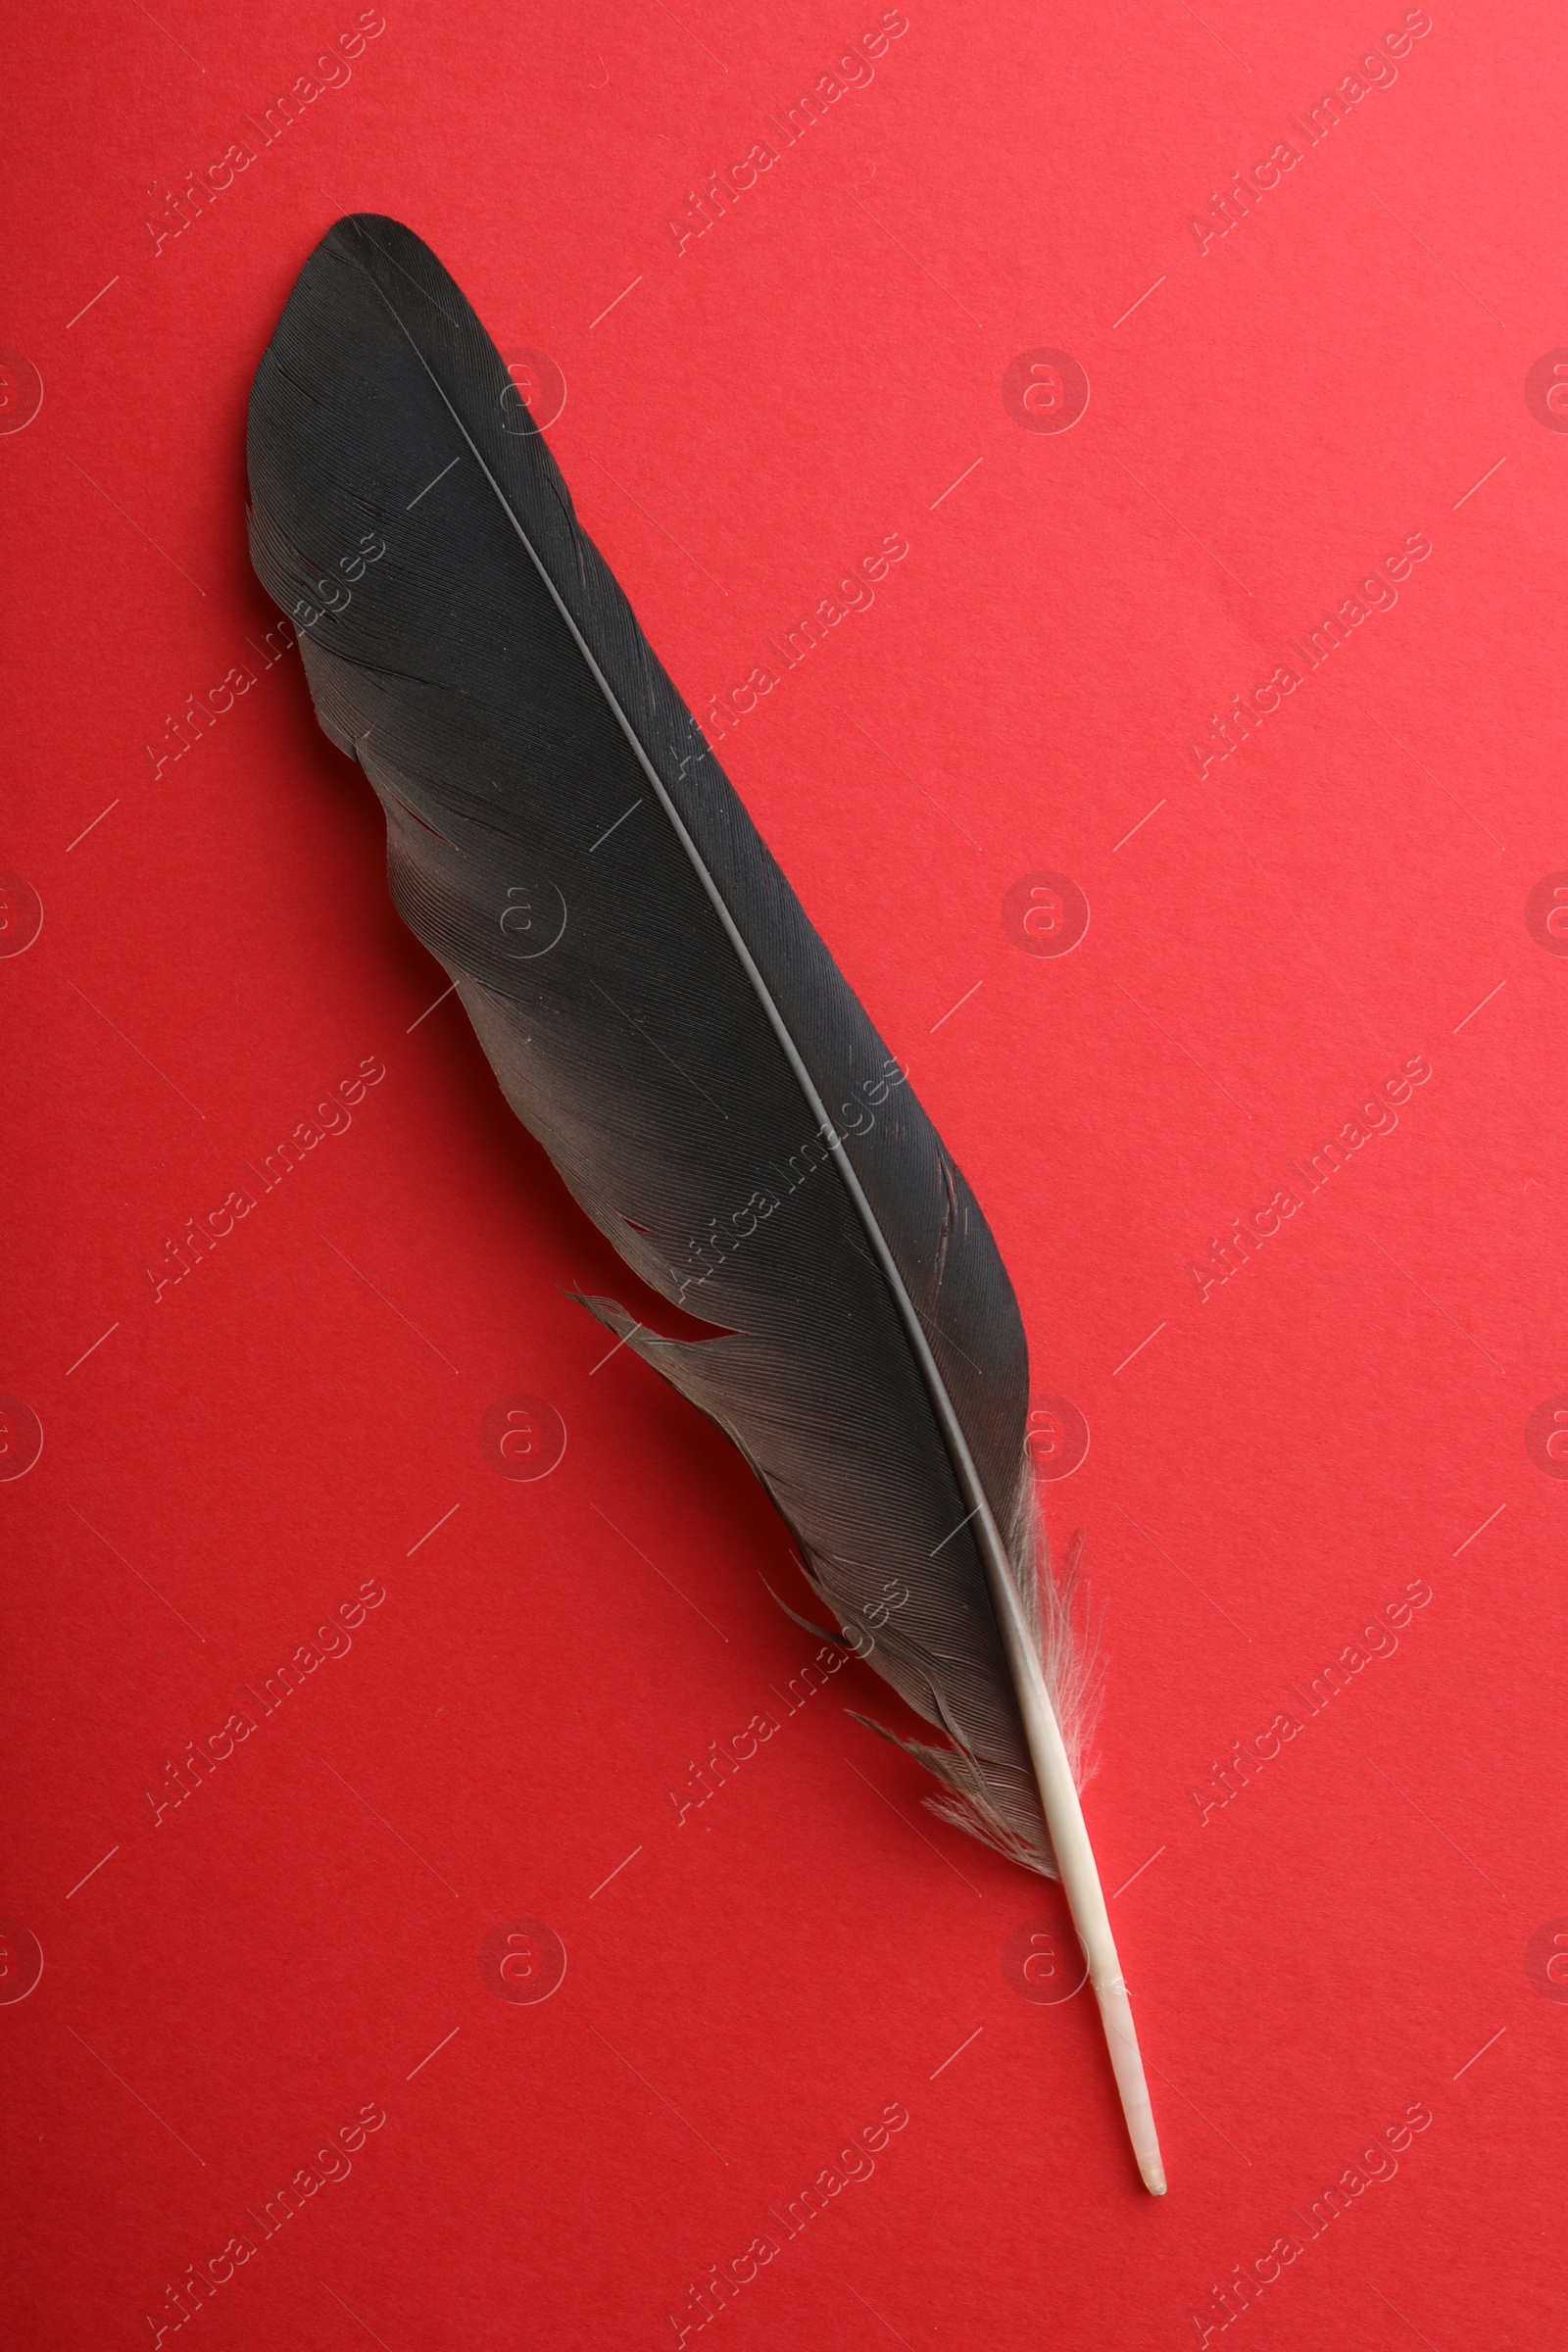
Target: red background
x=1281 y=1458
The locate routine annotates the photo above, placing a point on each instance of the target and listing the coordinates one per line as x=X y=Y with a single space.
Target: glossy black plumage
x=654 y=1001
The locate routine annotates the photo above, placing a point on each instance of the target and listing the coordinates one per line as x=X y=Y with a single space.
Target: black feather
x=655 y=1003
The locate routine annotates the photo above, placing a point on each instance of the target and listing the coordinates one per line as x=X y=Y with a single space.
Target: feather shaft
x=1059 y=1793
x=1080 y=1880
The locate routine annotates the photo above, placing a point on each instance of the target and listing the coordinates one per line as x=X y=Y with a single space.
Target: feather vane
x=661 y=1015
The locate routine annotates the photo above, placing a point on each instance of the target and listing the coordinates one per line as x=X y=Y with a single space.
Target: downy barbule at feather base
x=661 y=1015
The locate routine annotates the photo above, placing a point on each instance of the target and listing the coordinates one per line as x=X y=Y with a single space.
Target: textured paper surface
x=1144 y=436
